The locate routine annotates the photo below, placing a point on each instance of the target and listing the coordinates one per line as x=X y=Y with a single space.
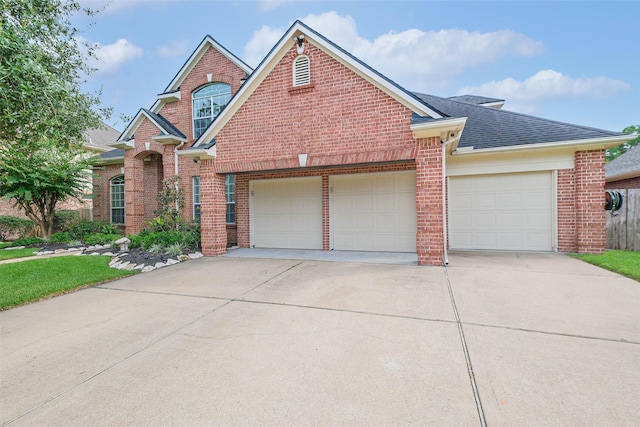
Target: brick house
x=624 y=172
x=316 y=150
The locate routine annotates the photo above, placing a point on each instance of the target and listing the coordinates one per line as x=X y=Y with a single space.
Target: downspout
x=454 y=137
x=175 y=165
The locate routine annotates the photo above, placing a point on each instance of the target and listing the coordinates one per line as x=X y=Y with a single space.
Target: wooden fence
x=623 y=230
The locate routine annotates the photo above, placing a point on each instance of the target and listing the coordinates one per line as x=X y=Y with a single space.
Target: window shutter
x=301 y=74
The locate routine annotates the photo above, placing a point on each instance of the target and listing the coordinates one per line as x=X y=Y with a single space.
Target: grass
x=17 y=253
x=32 y=280
x=626 y=263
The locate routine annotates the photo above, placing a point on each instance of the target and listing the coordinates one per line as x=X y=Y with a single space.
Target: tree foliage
x=43 y=109
x=36 y=180
x=42 y=67
x=618 y=151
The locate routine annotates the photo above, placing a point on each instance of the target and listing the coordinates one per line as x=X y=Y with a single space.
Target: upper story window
x=301 y=71
x=208 y=102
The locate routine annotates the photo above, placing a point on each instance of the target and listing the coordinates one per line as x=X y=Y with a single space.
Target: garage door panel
x=505 y=211
x=374 y=212
x=287 y=213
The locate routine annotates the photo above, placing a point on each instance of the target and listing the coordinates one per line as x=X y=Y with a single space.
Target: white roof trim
x=197 y=54
x=278 y=52
x=170 y=96
x=133 y=125
x=590 y=144
x=203 y=153
x=168 y=139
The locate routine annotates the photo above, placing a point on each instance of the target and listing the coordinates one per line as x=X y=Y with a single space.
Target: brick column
x=133 y=194
x=213 y=210
x=590 y=213
x=429 y=238
x=242 y=211
x=567 y=237
x=326 y=241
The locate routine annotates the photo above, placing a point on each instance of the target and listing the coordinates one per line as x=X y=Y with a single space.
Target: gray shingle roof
x=165 y=124
x=475 y=99
x=492 y=128
x=628 y=163
x=97 y=139
x=118 y=152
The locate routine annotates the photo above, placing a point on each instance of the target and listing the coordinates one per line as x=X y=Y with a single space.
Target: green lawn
x=28 y=281
x=17 y=253
x=626 y=263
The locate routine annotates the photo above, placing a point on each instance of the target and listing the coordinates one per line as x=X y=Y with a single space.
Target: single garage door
x=287 y=213
x=501 y=212
x=374 y=212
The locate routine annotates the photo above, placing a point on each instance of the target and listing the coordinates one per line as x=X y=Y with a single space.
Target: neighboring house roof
x=493 y=128
x=117 y=153
x=98 y=139
x=479 y=100
x=624 y=167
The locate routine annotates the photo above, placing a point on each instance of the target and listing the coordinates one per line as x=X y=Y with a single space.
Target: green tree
x=36 y=180
x=43 y=110
x=615 y=152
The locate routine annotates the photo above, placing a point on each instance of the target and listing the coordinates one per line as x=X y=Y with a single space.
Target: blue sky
x=571 y=61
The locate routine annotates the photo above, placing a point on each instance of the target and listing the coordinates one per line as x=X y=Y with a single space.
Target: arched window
x=116 y=186
x=301 y=71
x=208 y=102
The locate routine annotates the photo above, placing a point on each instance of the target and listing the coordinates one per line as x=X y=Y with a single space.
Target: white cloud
x=108 y=58
x=529 y=95
x=416 y=59
x=260 y=44
x=175 y=48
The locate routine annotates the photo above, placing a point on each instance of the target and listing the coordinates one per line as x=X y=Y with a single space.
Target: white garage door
x=501 y=212
x=374 y=212
x=287 y=213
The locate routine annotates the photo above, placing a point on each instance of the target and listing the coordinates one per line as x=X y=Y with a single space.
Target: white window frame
x=216 y=101
x=197 y=197
x=119 y=185
x=230 y=194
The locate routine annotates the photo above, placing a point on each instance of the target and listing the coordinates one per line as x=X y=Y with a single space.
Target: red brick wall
x=590 y=213
x=624 y=184
x=338 y=119
x=567 y=237
x=429 y=203
x=101 y=190
x=214 y=205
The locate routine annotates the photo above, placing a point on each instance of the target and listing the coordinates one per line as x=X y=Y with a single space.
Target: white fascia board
x=197 y=54
x=203 y=153
x=125 y=145
x=435 y=128
x=274 y=57
x=577 y=145
x=497 y=104
x=168 y=139
x=170 y=96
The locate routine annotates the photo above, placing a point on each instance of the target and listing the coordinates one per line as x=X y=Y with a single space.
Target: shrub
x=63 y=220
x=174 y=250
x=85 y=228
x=12 y=226
x=60 y=237
x=101 y=239
x=28 y=241
x=156 y=248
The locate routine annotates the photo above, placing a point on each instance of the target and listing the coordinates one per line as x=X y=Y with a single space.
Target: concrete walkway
x=548 y=340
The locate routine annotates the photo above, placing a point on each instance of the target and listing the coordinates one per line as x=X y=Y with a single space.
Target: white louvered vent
x=301 y=73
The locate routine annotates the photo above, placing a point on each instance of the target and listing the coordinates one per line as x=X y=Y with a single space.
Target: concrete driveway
x=244 y=341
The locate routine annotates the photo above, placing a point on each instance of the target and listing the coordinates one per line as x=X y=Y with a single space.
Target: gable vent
x=301 y=73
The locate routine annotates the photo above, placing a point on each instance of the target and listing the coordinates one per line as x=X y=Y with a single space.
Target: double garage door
x=368 y=212
x=377 y=212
